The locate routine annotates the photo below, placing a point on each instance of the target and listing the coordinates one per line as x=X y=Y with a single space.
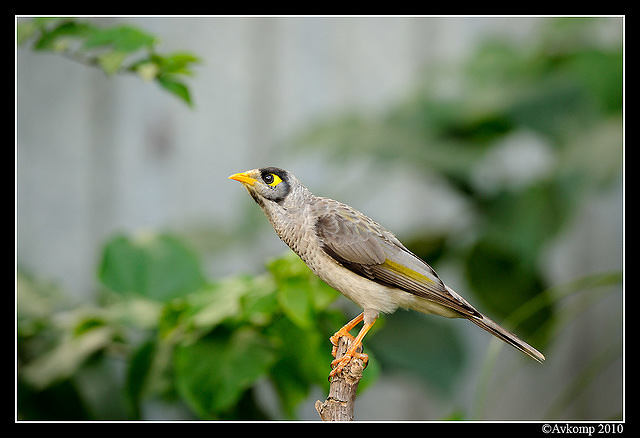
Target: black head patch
x=280 y=190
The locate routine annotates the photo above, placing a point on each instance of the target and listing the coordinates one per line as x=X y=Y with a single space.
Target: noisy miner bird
x=359 y=258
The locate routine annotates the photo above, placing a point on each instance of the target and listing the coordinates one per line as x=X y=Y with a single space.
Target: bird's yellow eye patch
x=272 y=179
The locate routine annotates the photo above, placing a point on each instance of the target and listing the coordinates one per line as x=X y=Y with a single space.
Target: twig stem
x=339 y=405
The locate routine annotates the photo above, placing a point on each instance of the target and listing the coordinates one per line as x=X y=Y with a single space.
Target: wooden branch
x=340 y=403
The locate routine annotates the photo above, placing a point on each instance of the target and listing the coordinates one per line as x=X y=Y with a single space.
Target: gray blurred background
x=99 y=155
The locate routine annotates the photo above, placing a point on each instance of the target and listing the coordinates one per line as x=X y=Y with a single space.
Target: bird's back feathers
x=368 y=249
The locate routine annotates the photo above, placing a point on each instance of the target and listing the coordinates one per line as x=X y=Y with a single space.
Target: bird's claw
x=339 y=364
x=336 y=338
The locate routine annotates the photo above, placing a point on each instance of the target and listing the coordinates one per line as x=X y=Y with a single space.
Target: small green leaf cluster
x=181 y=338
x=116 y=49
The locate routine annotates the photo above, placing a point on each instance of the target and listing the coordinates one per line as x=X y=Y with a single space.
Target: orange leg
x=339 y=364
x=344 y=331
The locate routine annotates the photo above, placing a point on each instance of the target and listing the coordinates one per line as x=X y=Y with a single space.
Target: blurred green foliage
x=115 y=49
x=178 y=336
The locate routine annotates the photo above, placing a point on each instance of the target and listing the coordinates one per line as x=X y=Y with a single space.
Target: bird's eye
x=272 y=179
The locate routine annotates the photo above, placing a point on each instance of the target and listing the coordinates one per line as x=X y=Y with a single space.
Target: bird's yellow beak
x=243 y=177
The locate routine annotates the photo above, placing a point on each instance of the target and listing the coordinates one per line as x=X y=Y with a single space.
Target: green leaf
x=159 y=267
x=215 y=304
x=303 y=361
x=169 y=83
x=294 y=289
x=213 y=372
x=121 y=38
x=175 y=63
x=294 y=299
x=49 y=38
x=260 y=305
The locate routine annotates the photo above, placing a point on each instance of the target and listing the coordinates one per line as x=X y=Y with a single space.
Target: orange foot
x=339 y=364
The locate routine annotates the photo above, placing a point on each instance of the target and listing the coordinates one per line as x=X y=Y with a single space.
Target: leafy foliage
x=116 y=49
x=181 y=337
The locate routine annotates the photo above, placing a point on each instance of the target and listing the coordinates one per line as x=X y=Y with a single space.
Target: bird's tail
x=508 y=337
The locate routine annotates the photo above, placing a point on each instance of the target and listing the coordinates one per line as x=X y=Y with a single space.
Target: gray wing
x=365 y=247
